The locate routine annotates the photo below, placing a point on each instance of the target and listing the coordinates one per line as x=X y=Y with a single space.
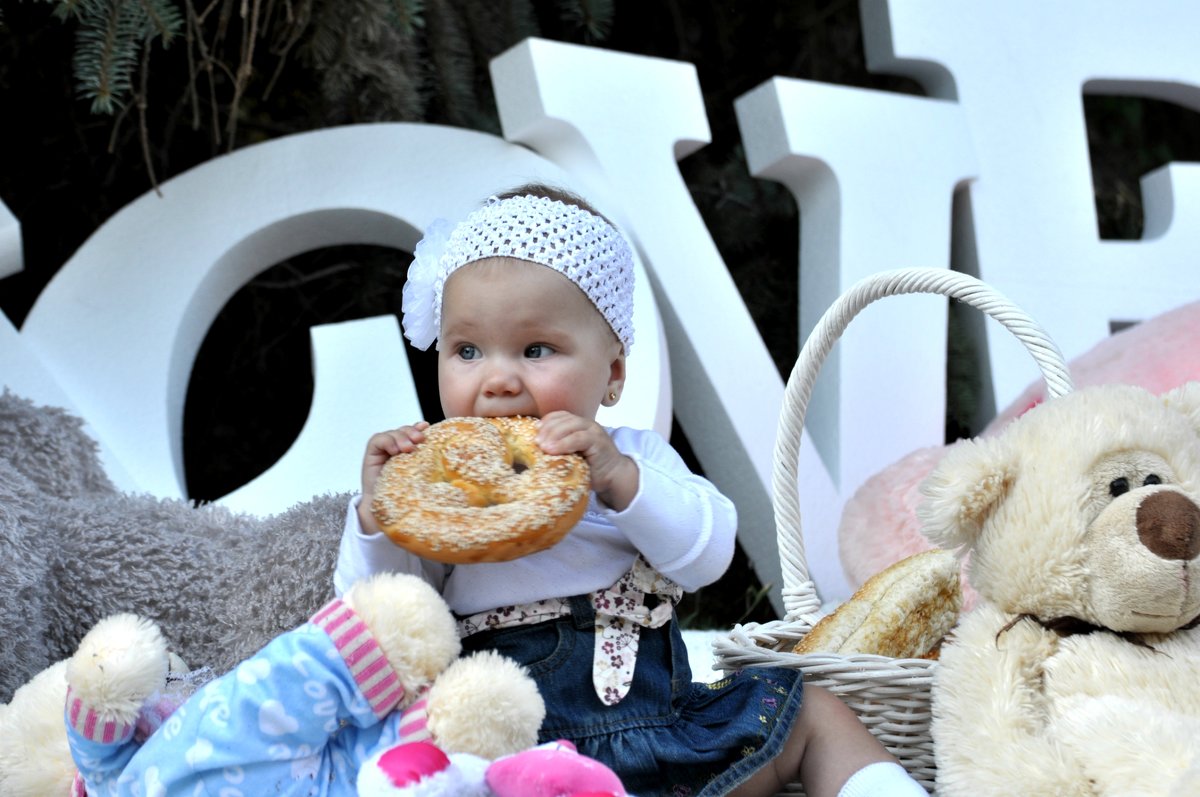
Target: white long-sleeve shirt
x=679 y=522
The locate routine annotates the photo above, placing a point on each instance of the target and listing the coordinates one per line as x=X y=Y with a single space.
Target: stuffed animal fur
x=1076 y=672
x=879 y=524
x=74 y=550
x=36 y=761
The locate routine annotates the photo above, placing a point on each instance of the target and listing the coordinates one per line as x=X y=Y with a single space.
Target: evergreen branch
x=69 y=9
x=163 y=19
x=594 y=17
x=110 y=38
x=407 y=16
x=143 y=130
x=190 y=38
x=294 y=26
x=106 y=54
x=250 y=19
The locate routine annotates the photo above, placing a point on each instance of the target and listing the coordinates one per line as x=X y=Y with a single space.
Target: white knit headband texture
x=579 y=245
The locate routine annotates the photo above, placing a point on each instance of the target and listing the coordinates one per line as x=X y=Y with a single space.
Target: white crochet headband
x=577 y=244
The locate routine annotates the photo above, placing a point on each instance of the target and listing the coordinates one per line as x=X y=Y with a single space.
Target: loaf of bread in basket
x=903 y=611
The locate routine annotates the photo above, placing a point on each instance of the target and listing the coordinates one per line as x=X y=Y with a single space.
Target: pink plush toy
x=420 y=769
x=879 y=525
x=552 y=770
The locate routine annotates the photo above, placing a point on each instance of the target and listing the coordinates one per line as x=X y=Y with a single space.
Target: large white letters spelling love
x=876 y=175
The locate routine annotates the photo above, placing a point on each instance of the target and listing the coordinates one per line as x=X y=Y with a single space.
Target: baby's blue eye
x=468 y=352
x=538 y=350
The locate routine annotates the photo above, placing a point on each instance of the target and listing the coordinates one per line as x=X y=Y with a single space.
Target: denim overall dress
x=668 y=735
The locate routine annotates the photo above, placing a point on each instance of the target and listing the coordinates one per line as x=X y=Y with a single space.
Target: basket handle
x=799 y=593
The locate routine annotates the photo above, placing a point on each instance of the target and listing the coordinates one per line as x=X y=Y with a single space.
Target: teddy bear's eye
x=1118 y=486
x=1152 y=479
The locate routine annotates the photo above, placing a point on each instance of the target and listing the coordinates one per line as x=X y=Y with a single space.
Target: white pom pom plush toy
x=379 y=668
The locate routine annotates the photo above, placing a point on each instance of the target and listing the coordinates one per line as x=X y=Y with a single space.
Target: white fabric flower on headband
x=581 y=246
x=417 y=298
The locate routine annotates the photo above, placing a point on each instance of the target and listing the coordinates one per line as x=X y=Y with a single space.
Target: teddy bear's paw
x=410 y=622
x=35 y=760
x=1159 y=754
x=485 y=704
x=119 y=664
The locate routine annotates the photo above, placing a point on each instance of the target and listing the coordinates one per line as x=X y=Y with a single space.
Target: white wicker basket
x=890 y=696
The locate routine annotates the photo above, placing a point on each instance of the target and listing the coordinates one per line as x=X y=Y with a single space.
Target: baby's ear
x=964 y=489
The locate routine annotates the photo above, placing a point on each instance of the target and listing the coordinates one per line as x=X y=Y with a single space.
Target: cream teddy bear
x=1078 y=671
x=879 y=524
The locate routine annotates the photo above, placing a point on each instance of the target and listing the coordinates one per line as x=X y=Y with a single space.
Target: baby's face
x=518 y=338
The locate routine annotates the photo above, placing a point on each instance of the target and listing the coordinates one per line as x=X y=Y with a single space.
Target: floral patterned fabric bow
x=621 y=613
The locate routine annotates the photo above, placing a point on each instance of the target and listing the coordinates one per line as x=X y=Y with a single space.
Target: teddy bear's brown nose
x=1168 y=523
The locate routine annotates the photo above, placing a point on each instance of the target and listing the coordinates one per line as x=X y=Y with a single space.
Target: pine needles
x=366 y=60
x=110 y=40
x=593 y=17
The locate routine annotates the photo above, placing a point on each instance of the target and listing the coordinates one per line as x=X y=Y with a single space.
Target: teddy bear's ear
x=964 y=489
x=1186 y=400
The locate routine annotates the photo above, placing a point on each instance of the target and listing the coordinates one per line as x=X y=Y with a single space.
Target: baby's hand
x=614 y=475
x=380 y=448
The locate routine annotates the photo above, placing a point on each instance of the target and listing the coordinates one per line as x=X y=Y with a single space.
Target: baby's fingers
x=554 y=429
x=397 y=441
x=585 y=438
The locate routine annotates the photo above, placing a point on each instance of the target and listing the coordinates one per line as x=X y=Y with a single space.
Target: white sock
x=883 y=778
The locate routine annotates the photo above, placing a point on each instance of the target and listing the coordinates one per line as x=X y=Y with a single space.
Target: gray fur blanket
x=73 y=549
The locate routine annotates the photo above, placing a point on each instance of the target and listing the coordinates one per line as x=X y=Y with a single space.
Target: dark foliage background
x=237 y=73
